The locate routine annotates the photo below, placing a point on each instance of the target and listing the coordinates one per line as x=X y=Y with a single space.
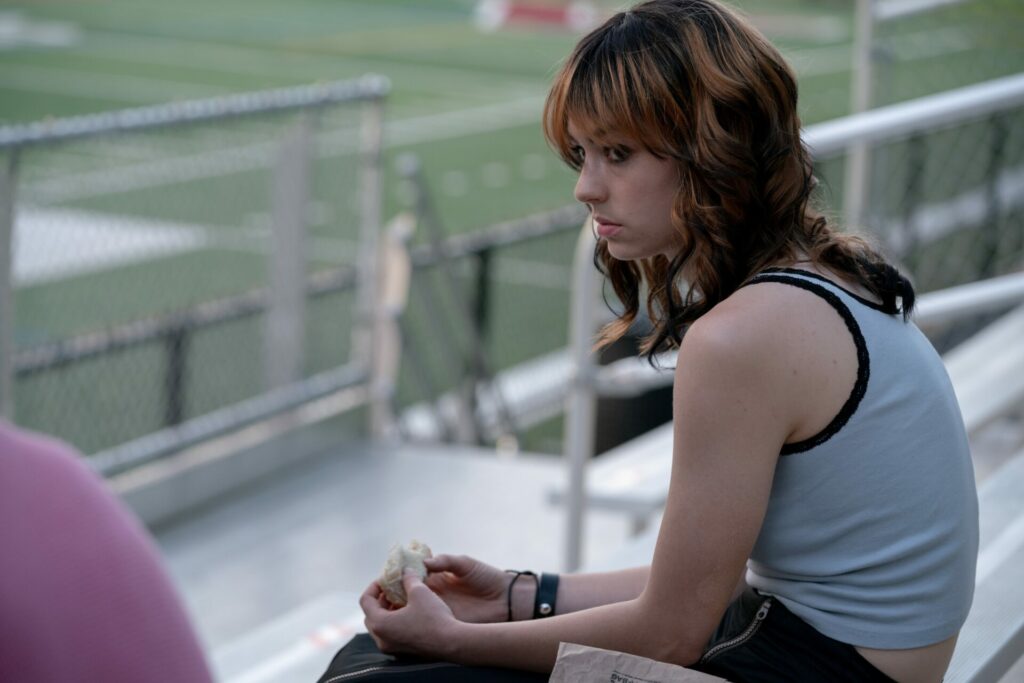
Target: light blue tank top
x=871 y=531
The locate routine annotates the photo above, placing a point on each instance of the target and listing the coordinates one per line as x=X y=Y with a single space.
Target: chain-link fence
x=908 y=49
x=160 y=258
x=947 y=202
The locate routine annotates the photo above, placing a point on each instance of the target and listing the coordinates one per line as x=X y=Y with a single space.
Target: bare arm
x=583 y=591
x=730 y=425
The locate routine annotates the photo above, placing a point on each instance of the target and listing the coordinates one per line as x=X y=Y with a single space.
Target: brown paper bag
x=582 y=664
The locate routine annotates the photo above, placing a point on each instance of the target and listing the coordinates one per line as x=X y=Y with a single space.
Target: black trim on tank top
x=860 y=387
x=797 y=271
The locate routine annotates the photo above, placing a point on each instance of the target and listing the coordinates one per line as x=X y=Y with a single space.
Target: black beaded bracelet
x=547 y=592
x=513 y=583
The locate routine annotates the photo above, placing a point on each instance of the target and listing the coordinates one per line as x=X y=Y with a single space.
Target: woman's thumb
x=410 y=579
x=446 y=563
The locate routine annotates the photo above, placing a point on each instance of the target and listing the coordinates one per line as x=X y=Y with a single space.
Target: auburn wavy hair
x=693 y=81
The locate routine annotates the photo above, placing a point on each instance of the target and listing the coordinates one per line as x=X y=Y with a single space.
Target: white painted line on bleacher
x=999 y=550
x=210 y=164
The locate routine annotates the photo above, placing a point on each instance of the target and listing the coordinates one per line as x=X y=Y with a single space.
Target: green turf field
x=467 y=103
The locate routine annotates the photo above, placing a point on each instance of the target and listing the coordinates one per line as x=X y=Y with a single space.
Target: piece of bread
x=401 y=557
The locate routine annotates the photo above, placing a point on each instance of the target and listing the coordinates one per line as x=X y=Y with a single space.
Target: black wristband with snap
x=547 y=592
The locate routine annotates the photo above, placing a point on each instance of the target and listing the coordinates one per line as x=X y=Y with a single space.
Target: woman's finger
x=456 y=564
x=369 y=601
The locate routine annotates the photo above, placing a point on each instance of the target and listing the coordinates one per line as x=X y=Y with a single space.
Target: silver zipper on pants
x=748 y=633
x=385 y=670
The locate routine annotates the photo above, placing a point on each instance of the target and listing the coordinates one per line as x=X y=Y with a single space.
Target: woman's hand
x=474 y=591
x=422 y=627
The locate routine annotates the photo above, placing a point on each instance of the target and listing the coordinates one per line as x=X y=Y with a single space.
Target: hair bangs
x=604 y=92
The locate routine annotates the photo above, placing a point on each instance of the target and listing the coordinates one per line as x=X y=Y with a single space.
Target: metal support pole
x=8 y=182
x=371 y=210
x=992 y=234
x=912 y=200
x=395 y=269
x=174 y=382
x=285 y=322
x=856 y=175
x=476 y=369
x=581 y=404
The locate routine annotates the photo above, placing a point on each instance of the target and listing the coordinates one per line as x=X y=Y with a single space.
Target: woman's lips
x=607 y=230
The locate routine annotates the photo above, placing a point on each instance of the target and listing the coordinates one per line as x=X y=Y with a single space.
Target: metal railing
x=893 y=122
x=212 y=148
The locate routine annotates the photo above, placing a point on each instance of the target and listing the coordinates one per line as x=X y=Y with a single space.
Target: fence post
x=581 y=403
x=176 y=343
x=989 y=260
x=284 y=331
x=856 y=174
x=395 y=266
x=371 y=209
x=8 y=181
x=910 y=239
x=475 y=367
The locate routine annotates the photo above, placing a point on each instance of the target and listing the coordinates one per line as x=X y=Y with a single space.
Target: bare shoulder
x=777 y=343
x=758 y=325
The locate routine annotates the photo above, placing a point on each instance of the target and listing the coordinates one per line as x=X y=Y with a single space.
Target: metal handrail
x=369 y=87
x=922 y=114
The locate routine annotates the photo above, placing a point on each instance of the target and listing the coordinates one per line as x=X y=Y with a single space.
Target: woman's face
x=630 y=193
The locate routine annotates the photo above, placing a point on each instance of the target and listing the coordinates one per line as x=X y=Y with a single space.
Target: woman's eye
x=616 y=155
x=576 y=153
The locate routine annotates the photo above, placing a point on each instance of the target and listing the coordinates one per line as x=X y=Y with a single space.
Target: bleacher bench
x=631 y=478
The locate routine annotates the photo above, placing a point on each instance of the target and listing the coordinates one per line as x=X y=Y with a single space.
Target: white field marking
x=811 y=29
x=454 y=183
x=533 y=167
x=495 y=175
x=824 y=61
x=257 y=240
x=533 y=273
x=54 y=244
x=342 y=142
x=318 y=214
x=999 y=550
x=16 y=32
x=168 y=51
x=54 y=80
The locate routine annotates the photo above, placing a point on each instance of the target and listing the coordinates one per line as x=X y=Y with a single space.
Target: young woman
x=821 y=522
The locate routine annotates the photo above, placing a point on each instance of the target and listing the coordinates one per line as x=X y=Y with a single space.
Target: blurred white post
x=284 y=333
x=395 y=270
x=8 y=180
x=581 y=403
x=856 y=176
x=367 y=292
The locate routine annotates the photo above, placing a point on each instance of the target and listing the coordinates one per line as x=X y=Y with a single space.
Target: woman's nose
x=590 y=189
